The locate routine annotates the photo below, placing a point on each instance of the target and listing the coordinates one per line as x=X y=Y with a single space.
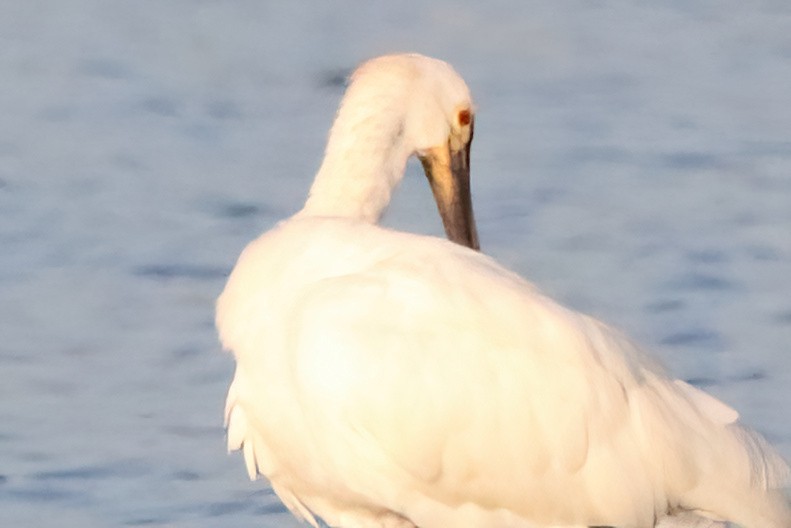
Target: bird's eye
x=464 y=117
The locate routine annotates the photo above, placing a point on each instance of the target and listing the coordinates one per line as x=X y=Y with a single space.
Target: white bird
x=387 y=379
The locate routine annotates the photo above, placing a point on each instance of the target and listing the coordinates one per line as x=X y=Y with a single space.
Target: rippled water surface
x=633 y=159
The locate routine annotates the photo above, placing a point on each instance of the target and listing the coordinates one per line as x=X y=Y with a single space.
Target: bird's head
x=437 y=126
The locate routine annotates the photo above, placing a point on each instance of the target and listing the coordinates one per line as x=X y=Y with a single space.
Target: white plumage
x=386 y=379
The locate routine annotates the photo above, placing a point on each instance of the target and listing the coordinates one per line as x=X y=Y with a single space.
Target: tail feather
x=714 y=468
x=746 y=487
x=768 y=470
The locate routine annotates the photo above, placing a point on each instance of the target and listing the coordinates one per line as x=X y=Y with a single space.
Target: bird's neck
x=364 y=162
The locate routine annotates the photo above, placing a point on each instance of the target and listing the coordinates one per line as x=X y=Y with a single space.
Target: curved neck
x=364 y=161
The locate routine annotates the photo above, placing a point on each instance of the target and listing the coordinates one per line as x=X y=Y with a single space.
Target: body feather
x=409 y=381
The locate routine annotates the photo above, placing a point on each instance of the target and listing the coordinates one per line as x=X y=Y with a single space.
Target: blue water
x=632 y=158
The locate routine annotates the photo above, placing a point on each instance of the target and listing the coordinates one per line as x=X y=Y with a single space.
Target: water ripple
x=695 y=336
x=180 y=271
x=703 y=281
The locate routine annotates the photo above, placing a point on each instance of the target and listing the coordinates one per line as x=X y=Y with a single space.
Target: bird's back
x=388 y=379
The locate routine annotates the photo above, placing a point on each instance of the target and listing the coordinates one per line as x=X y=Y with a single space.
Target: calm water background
x=632 y=158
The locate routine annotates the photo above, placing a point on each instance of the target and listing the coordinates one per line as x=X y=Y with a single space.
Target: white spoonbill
x=387 y=379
